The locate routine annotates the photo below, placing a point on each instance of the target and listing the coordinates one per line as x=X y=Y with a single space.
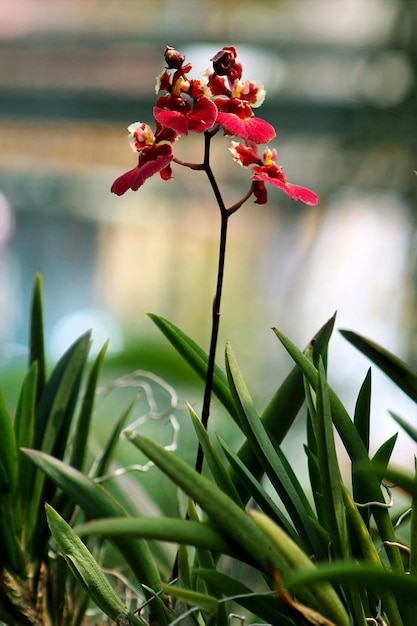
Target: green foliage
x=319 y=554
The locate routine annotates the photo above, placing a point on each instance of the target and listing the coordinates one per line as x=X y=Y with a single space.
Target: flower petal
x=122 y=184
x=202 y=116
x=295 y=192
x=172 y=119
x=149 y=169
x=251 y=128
x=244 y=155
x=258 y=130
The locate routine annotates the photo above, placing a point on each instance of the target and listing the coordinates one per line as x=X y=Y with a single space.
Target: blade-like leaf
x=8 y=452
x=356 y=451
x=53 y=419
x=270 y=460
x=174 y=530
x=396 y=369
x=81 y=432
x=280 y=413
x=382 y=456
x=408 y=428
x=96 y=502
x=36 y=339
x=359 y=574
x=364 y=550
x=24 y=426
x=268 y=608
x=203 y=601
x=256 y=491
x=231 y=519
x=327 y=599
x=361 y=420
x=86 y=569
x=331 y=479
x=218 y=470
x=57 y=403
x=197 y=358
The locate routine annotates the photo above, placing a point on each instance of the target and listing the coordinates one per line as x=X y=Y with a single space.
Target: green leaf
x=363 y=548
x=81 y=432
x=327 y=600
x=410 y=430
x=223 y=511
x=194 y=598
x=229 y=516
x=56 y=406
x=174 y=530
x=96 y=502
x=382 y=456
x=8 y=452
x=24 y=426
x=197 y=358
x=53 y=419
x=413 y=528
x=270 y=460
x=268 y=608
x=356 y=451
x=256 y=490
x=36 y=339
x=331 y=479
x=361 y=420
x=218 y=470
x=341 y=573
x=396 y=369
x=86 y=569
x=280 y=413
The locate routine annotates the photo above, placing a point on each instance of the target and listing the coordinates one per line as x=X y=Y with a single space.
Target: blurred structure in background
x=341 y=92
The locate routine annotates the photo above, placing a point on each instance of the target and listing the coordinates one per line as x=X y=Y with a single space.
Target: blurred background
x=340 y=77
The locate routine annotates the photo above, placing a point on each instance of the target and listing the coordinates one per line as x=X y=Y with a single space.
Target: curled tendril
x=145 y=383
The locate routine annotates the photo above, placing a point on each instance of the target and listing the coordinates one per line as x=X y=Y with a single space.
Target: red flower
x=235 y=99
x=182 y=115
x=184 y=107
x=265 y=170
x=153 y=157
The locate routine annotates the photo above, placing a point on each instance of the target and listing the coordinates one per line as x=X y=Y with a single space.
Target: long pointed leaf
x=81 y=432
x=283 y=408
x=96 y=502
x=197 y=358
x=361 y=420
x=268 y=608
x=218 y=470
x=396 y=369
x=232 y=520
x=271 y=462
x=257 y=492
x=174 y=530
x=36 y=339
x=86 y=570
x=355 y=449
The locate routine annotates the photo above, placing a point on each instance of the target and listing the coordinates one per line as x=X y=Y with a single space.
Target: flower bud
x=173 y=58
x=224 y=60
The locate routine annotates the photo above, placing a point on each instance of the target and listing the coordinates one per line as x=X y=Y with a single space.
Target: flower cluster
x=221 y=100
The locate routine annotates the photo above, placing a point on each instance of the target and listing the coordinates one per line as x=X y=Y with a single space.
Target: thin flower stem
x=217 y=298
x=224 y=218
x=214 y=335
